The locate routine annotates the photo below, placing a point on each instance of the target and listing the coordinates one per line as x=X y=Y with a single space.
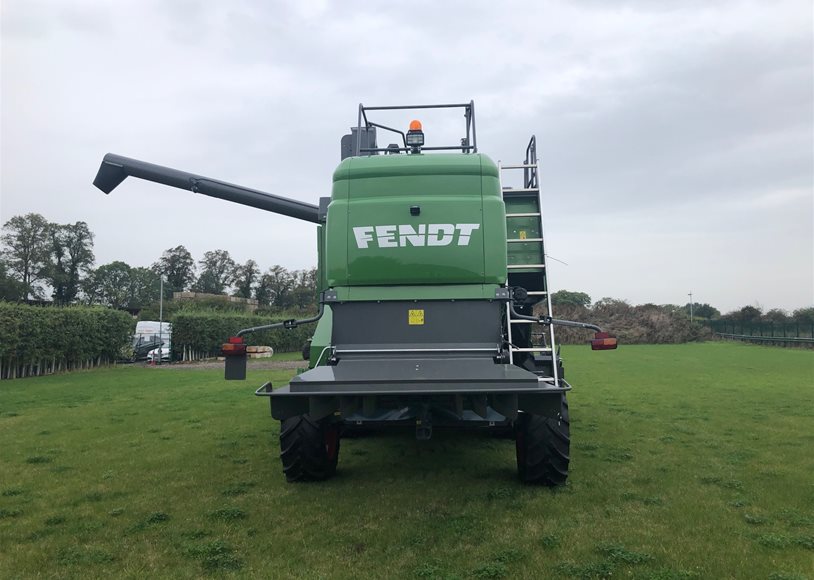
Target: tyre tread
x=302 y=450
x=545 y=453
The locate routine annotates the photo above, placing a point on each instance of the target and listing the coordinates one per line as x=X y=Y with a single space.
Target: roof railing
x=469 y=143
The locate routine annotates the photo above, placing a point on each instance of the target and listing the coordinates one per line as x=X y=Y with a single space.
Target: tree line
x=40 y=259
x=699 y=311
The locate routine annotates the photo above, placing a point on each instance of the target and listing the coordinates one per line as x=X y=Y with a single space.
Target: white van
x=149 y=335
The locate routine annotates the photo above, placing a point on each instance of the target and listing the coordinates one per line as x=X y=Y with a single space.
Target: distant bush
x=643 y=324
x=200 y=334
x=36 y=340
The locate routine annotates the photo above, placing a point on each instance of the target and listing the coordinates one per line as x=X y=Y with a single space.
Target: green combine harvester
x=432 y=280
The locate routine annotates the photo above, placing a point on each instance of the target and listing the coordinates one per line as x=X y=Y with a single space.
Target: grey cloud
x=672 y=129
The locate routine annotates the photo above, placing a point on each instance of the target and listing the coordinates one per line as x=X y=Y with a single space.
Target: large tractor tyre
x=543 y=447
x=309 y=449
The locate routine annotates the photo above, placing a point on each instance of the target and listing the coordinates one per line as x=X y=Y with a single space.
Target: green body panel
x=336 y=233
x=459 y=236
x=494 y=220
x=322 y=274
x=321 y=338
x=427 y=292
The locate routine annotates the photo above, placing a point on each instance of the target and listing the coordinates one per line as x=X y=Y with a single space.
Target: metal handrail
x=469 y=115
x=530 y=172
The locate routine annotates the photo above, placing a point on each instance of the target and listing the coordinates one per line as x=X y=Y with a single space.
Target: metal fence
x=780 y=334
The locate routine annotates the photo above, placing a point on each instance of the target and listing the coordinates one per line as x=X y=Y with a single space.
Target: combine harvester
x=430 y=273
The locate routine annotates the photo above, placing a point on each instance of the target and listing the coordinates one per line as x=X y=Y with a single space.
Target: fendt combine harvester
x=430 y=273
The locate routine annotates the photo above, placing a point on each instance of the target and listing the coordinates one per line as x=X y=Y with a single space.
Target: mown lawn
x=689 y=461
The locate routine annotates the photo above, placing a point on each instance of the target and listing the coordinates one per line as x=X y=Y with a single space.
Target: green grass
x=688 y=461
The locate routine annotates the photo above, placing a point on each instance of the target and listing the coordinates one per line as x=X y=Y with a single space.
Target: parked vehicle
x=148 y=336
x=152 y=356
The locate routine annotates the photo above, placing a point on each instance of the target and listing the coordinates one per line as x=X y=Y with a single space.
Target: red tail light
x=235 y=347
x=603 y=341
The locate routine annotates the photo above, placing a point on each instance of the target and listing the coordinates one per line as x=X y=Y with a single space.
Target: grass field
x=688 y=461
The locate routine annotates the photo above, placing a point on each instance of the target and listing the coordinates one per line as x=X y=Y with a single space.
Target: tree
x=305 y=289
x=244 y=277
x=119 y=285
x=10 y=289
x=113 y=284
x=26 y=251
x=274 y=288
x=145 y=287
x=777 y=315
x=177 y=267
x=217 y=268
x=90 y=289
x=702 y=311
x=264 y=292
x=745 y=314
x=566 y=297
x=612 y=307
x=804 y=315
x=71 y=247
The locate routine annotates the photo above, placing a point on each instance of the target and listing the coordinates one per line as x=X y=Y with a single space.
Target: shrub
x=643 y=324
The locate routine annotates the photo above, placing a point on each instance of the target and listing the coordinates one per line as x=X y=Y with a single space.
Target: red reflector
x=233 y=349
x=603 y=341
x=236 y=339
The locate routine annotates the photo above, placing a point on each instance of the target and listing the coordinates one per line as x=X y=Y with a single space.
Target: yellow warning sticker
x=522 y=234
x=415 y=317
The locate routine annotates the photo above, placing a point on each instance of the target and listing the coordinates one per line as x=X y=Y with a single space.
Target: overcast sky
x=677 y=138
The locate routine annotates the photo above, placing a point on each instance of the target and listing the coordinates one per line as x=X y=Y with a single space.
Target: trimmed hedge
x=201 y=334
x=37 y=340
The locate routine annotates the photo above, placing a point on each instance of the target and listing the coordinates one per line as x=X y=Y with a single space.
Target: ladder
x=525 y=250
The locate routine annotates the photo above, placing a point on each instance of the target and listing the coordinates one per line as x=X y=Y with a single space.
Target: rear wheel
x=309 y=449
x=543 y=447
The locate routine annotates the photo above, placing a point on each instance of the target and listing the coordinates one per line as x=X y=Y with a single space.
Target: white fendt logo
x=407 y=235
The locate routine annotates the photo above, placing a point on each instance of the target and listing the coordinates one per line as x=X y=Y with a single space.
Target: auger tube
x=115 y=169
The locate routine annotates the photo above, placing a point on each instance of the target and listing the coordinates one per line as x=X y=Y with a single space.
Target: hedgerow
x=201 y=334
x=36 y=340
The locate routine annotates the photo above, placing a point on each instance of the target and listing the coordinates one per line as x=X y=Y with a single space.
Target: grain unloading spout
x=115 y=169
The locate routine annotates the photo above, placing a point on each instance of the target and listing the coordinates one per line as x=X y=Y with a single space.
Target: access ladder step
x=528 y=214
x=522 y=240
x=525 y=266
